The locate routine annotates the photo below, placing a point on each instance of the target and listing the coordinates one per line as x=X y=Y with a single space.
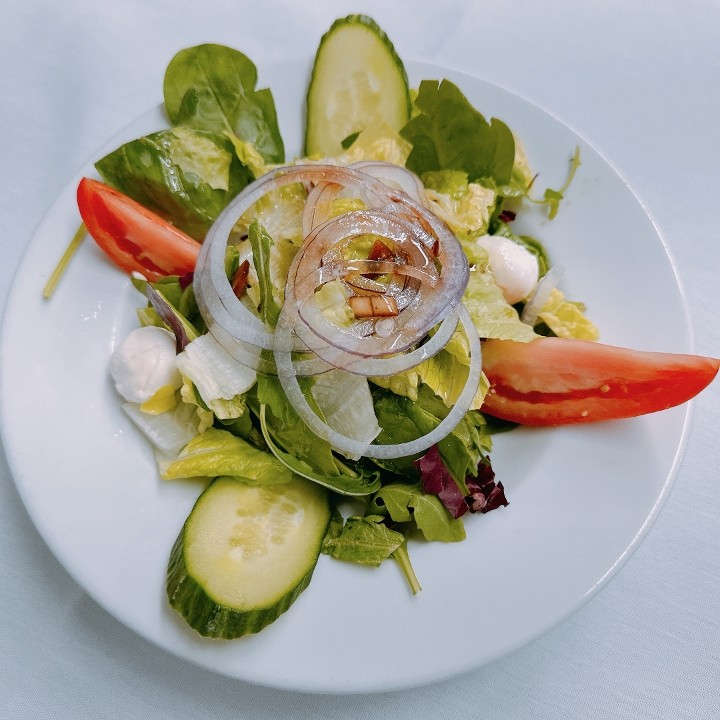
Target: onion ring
x=229 y=316
x=356 y=449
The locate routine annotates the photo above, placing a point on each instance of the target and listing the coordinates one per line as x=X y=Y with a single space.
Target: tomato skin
x=556 y=381
x=134 y=238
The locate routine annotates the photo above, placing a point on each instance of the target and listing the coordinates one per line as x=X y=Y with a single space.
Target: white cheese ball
x=144 y=362
x=514 y=267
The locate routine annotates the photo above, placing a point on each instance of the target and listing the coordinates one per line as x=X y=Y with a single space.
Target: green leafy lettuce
x=186 y=175
x=213 y=87
x=216 y=452
x=404 y=420
x=448 y=133
x=299 y=448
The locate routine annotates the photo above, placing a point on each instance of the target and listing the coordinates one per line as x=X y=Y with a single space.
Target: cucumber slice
x=245 y=554
x=357 y=79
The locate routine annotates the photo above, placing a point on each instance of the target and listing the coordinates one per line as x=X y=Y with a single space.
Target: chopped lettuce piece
x=216 y=452
x=346 y=403
x=567 y=319
x=249 y=156
x=492 y=316
x=445 y=373
x=220 y=380
x=169 y=431
x=465 y=207
x=380 y=142
x=279 y=212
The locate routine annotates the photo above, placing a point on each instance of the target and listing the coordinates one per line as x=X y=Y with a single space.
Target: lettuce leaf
x=216 y=452
x=346 y=403
x=299 y=448
x=212 y=87
x=220 y=380
x=182 y=174
x=364 y=540
x=467 y=208
x=481 y=493
x=404 y=420
x=448 y=133
x=566 y=318
x=406 y=503
x=492 y=316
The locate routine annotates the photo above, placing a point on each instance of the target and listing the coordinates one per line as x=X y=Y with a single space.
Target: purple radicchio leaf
x=485 y=494
x=168 y=316
x=437 y=480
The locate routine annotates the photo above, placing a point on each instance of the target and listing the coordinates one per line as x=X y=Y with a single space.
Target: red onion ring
x=427 y=295
x=354 y=448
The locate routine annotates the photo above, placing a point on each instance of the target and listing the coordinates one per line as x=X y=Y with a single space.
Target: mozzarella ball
x=514 y=267
x=144 y=362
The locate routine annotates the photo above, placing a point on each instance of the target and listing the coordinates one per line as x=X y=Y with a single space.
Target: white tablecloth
x=640 y=82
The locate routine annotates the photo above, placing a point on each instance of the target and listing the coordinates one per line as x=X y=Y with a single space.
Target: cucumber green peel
x=245 y=554
x=357 y=80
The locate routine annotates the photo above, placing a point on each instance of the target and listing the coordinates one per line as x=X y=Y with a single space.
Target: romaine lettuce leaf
x=216 y=452
x=492 y=316
x=169 y=431
x=567 y=319
x=445 y=373
x=346 y=404
x=466 y=207
x=378 y=141
x=220 y=380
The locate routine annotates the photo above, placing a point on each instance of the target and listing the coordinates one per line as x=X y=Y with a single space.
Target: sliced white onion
x=424 y=295
x=391 y=174
x=540 y=295
x=428 y=274
x=212 y=287
x=356 y=449
x=318 y=205
x=371 y=366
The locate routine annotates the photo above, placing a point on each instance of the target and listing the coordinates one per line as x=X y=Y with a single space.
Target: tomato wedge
x=556 y=381
x=134 y=238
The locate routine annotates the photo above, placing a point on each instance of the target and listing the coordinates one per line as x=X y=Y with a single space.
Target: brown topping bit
x=240 y=279
x=367 y=306
x=380 y=251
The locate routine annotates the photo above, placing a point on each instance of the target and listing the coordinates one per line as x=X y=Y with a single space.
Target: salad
x=334 y=340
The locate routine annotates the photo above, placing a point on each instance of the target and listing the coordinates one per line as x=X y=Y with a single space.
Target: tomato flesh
x=133 y=237
x=556 y=381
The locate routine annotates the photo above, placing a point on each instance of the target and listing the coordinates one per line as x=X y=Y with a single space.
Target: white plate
x=581 y=498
